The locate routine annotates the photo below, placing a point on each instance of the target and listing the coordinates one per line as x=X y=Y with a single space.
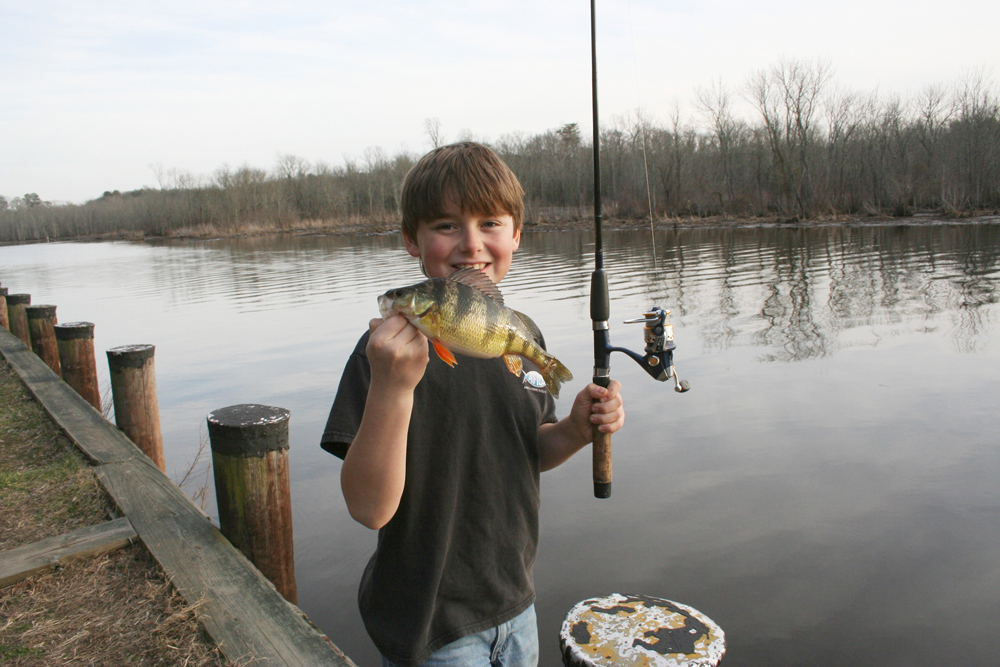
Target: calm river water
x=828 y=492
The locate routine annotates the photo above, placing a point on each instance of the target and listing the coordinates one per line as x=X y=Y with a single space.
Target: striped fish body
x=464 y=313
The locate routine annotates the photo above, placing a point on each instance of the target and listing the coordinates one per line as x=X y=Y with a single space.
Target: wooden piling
x=133 y=389
x=18 y=318
x=41 y=323
x=75 y=341
x=4 y=319
x=252 y=488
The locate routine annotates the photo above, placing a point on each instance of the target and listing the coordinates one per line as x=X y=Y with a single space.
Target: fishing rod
x=658 y=333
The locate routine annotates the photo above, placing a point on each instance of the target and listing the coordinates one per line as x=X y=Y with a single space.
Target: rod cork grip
x=602 y=464
x=602 y=455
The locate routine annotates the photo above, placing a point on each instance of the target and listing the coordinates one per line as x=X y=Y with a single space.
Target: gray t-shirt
x=457 y=556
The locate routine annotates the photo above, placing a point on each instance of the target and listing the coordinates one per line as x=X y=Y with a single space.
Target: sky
x=104 y=95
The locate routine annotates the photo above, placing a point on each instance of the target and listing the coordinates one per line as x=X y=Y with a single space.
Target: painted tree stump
x=75 y=341
x=253 y=488
x=133 y=390
x=18 y=318
x=41 y=323
x=639 y=631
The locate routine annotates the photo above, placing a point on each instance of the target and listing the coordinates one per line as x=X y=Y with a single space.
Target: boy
x=443 y=461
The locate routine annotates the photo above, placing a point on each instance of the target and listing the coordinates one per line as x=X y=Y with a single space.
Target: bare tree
x=787 y=96
x=976 y=130
x=670 y=171
x=432 y=128
x=842 y=118
x=291 y=166
x=158 y=173
x=715 y=104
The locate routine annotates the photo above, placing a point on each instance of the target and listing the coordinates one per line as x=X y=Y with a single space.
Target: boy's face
x=460 y=240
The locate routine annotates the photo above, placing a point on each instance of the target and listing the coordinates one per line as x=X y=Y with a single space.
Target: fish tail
x=554 y=374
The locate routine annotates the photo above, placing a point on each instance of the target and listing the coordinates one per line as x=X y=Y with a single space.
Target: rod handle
x=602 y=455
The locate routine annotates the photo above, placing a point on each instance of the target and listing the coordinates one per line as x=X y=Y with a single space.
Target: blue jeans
x=510 y=644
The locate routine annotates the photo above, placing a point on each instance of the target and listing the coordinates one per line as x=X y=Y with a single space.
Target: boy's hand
x=397 y=352
x=595 y=405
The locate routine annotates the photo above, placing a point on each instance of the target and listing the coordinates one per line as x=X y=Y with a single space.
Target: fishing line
x=642 y=134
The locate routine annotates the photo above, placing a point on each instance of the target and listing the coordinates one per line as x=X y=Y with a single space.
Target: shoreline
x=375 y=228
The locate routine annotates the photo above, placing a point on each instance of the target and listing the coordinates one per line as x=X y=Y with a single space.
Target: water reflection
x=791 y=291
x=833 y=470
x=796 y=291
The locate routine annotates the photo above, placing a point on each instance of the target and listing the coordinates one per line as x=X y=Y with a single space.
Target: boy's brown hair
x=467 y=173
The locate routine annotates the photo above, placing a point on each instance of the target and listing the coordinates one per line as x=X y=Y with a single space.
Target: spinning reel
x=659 y=358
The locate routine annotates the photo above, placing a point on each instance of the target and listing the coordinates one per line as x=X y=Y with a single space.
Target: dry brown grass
x=116 y=609
x=342 y=225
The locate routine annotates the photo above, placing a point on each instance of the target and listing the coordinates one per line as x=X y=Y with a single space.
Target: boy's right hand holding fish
x=397 y=352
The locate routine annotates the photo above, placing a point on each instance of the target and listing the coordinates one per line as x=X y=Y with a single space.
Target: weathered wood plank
x=240 y=610
x=22 y=562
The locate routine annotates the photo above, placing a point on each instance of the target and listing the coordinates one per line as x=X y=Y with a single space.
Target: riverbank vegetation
x=803 y=148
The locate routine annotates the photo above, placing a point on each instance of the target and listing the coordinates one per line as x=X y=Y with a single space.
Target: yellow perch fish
x=464 y=313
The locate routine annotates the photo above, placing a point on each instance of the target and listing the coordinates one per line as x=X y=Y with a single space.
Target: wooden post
x=4 y=319
x=250 y=459
x=133 y=389
x=18 y=318
x=41 y=320
x=75 y=341
x=639 y=631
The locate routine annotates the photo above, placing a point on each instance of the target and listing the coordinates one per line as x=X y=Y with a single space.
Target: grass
x=113 y=610
x=116 y=609
x=46 y=487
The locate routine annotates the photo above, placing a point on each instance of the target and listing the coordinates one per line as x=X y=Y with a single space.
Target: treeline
x=805 y=149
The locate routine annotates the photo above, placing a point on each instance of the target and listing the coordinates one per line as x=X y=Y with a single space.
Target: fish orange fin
x=513 y=363
x=444 y=353
x=478 y=280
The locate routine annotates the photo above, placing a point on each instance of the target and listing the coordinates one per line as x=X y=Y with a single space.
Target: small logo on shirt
x=533 y=381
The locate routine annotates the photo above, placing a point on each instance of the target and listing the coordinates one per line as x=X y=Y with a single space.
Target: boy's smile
x=460 y=240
